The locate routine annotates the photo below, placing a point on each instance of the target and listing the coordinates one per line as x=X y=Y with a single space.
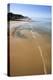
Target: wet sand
x=30 y=55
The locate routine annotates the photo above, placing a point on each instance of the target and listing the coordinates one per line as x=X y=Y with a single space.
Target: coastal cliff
x=17 y=17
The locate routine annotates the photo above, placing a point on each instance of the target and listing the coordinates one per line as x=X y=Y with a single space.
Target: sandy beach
x=30 y=52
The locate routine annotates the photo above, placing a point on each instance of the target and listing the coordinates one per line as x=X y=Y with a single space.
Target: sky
x=29 y=10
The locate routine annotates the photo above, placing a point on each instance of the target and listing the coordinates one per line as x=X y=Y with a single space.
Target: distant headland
x=17 y=17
